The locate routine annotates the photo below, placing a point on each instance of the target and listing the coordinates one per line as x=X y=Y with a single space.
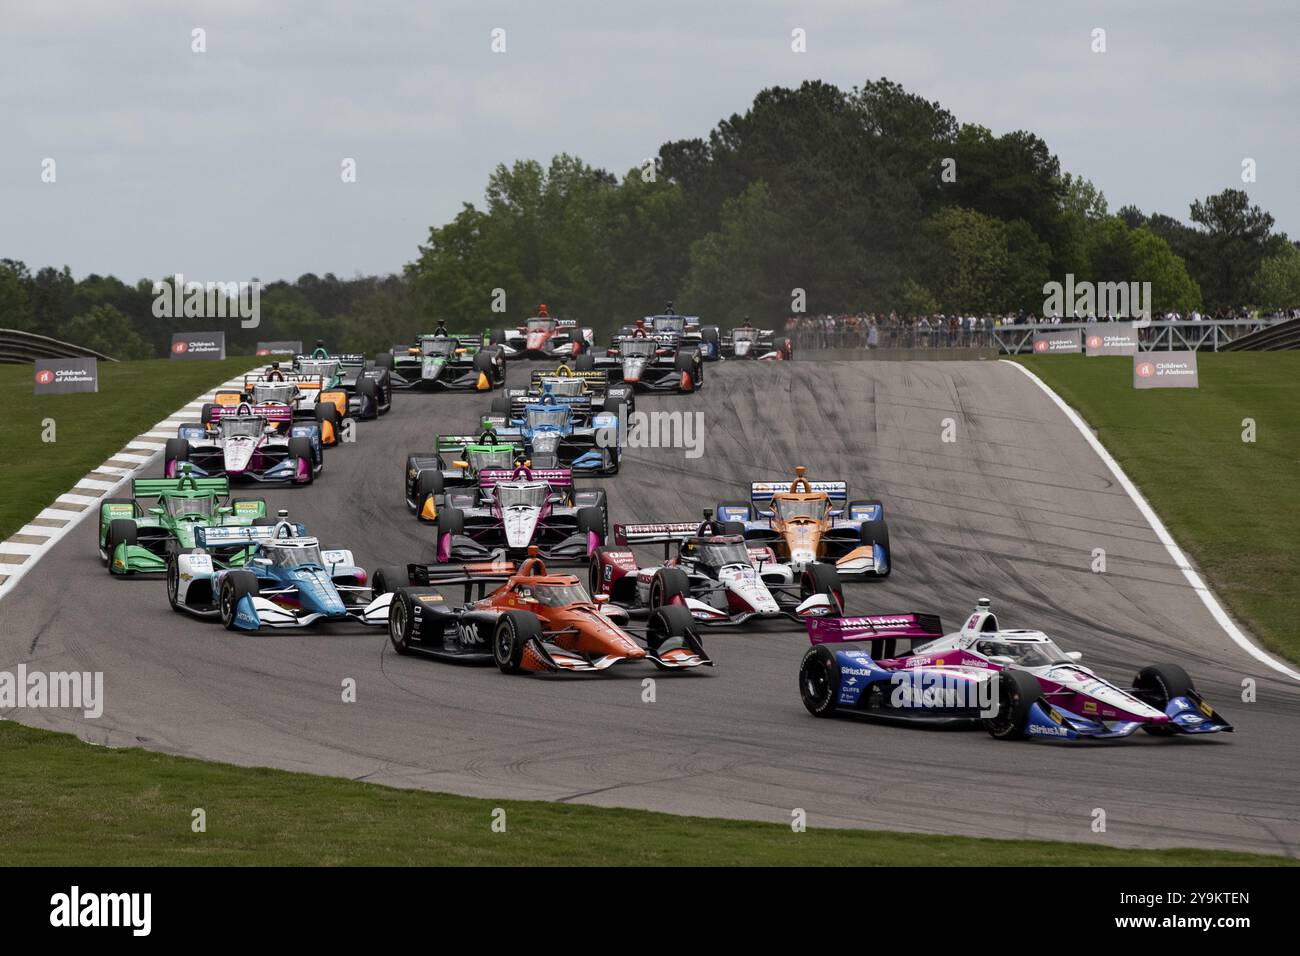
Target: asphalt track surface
x=1011 y=510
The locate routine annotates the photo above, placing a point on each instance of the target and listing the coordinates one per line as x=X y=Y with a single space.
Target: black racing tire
x=483 y=363
x=592 y=519
x=1017 y=692
x=586 y=362
x=174 y=583
x=501 y=405
x=497 y=337
x=819 y=681
x=177 y=449
x=300 y=447
x=1162 y=683
x=667 y=584
x=400 y=616
x=235 y=586
x=450 y=521
x=369 y=388
x=120 y=531
x=384 y=360
x=391 y=577
x=513 y=631
x=822 y=578
x=266 y=521
x=205 y=416
x=101 y=533
x=710 y=333
x=783 y=346
x=595 y=573
x=684 y=361
x=671 y=620
x=330 y=413
x=430 y=482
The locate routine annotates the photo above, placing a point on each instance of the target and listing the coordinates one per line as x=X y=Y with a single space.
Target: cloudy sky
x=226 y=164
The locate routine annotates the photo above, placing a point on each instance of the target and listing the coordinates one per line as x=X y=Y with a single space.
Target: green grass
x=1233 y=506
x=132 y=397
x=67 y=803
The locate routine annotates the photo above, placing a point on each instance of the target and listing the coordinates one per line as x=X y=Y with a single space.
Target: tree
x=104 y=329
x=1234 y=237
x=1276 y=284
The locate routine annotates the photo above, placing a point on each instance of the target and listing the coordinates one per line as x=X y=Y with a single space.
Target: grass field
x=67 y=803
x=89 y=428
x=1232 y=505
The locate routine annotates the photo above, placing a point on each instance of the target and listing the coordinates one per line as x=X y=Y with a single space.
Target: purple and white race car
x=1018 y=683
x=509 y=510
x=260 y=444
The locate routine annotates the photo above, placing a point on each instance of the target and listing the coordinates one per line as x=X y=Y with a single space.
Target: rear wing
x=301 y=379
x=272 y=413
x=761 y=492
x=878 y=627
x=555 y=477
x=473 y=575
x=156 y=487
x=664 y=532
x=589 y=376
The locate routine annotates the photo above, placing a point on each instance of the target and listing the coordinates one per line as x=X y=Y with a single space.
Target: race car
x=803 y=521
x=1018 y=683
x=551 y=437
x=714 y=576
x=587 y=391
x=444 y=361
x=455 y=463
x=685 y=330
x=270 y=576
x=514 y=509
x=369 y=390
x=747 y=342
x=304 y=395
x=543 y=337
x=265 y=445
x=532 y=621
x=136 y=536
x=649 y=362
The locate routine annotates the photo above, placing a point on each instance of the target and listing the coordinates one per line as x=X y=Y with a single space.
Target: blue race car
x=271 y=576
x=552 y=438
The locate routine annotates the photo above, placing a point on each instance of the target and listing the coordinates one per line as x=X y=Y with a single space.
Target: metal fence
x=1017 y=339
x=24 y=347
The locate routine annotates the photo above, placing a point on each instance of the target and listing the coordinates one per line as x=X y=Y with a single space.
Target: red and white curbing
x=33 y=540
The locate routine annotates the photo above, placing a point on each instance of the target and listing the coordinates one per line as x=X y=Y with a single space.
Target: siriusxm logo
x=1037 y=730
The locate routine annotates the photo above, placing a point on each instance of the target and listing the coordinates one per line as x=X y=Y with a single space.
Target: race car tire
x=783 y=346
x=384 y=360
x=266 y=521
x=1017 y=692
x=822 y=578
x=120 y=531
x=513 y=632
x=401 y=614
x=205 y=416
x=733 y=527
x=235 y=586
x=586 y=362
x=450 y=521
x=329 y=413
x=501 y=405
x=671 y=620
x=592 y=519
x=684 y=362
x=668 y=583
x=877 y=532
x=300 y=447
x=749 y=508
x=391 y=577
x=497 y=337
x=369 y=388
x=819 y=681
x=101 y=530
x=595 y=571
x=483 y=363
x=178 y=449
x=1162 y=683
x=428 y=483
x=174 y=584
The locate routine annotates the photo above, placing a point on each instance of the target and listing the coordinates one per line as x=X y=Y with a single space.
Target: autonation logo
x=71 y=690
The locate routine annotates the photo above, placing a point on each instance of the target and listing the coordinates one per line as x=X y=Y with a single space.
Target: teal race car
x=137 y=534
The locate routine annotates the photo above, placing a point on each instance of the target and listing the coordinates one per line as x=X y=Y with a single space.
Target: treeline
x=816 y=198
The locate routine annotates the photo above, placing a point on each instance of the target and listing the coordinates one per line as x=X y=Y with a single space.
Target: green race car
x=137 y=537
x=456 y=463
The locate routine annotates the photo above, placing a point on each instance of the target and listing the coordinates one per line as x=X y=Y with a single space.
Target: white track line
x=1180 y=560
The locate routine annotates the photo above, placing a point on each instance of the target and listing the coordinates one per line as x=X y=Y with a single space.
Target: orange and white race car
x=305 y=394
x=804 y=521
x=531 y=621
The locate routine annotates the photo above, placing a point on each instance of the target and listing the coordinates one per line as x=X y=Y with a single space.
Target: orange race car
x=305 y=394
x=803 y=521
x=531 y=621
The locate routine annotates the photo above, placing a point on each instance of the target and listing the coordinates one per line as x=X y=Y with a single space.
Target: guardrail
x=1206 y=335
x=1285 y=335
x=23 y=347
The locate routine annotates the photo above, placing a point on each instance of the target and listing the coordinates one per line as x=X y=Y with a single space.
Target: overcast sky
x=225 y=165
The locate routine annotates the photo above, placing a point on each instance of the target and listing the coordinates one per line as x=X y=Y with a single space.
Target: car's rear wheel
x=1158 y=684
x=819 y=681
x=388 y=578
x=1017 y=692
x=586 y=362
